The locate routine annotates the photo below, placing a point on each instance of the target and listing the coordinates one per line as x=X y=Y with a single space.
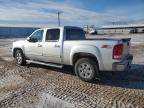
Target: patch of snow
x=4 y=95
x=11 y=81
x=1 y=66
x=7 y=58
x=48 y=101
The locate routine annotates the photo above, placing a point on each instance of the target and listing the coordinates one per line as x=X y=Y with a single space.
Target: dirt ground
x=36 y=86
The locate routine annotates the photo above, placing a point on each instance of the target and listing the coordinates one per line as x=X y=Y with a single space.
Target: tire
x=20 y=58
x=86 y=69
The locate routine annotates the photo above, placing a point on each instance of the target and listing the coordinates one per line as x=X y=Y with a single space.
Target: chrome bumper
x=123 y=65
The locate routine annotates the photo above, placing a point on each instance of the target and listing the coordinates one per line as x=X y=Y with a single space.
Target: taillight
x=118 y=51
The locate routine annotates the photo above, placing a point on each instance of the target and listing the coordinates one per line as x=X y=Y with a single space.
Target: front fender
x=87 y=49
x=18 y=45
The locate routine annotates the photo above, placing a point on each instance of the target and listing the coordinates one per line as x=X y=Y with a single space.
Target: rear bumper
x=123 y=65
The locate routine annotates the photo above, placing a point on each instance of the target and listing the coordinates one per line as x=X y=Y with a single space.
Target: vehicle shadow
x=133 y=79
x=65 y=69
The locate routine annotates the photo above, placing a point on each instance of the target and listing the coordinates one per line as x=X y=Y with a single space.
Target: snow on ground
x=48 y=101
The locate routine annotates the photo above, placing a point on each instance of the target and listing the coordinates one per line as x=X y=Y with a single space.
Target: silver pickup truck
x=68 y=45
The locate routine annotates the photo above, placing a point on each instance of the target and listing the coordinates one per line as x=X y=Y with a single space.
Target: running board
x=46 y=64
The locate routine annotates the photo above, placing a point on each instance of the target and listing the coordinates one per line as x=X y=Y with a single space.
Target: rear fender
x=87 y=49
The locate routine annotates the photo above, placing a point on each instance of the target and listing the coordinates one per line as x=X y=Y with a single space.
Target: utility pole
x=59 y=23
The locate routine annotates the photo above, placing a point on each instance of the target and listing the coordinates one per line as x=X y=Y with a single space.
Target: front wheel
x=20 y=58
x=86 y=69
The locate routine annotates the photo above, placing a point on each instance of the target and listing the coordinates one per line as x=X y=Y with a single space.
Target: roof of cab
x=61 y=27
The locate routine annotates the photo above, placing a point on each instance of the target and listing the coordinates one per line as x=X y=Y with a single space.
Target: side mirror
x=28 y=39
x=32 y=39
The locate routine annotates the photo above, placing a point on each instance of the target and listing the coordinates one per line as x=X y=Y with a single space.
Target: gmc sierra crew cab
x=68 y=45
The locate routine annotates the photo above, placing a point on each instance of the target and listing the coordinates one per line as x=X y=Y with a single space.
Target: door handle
x=56 y=45
x=39 y=45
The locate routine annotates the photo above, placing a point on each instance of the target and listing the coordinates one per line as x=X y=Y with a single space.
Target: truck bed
x=112 y=39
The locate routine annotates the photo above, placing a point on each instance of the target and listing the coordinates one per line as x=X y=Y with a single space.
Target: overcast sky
x=41 y=13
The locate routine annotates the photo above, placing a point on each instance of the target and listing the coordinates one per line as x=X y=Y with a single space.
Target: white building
x=131 y=28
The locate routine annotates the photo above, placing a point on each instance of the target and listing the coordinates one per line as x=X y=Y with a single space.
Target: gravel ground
x=36 y=86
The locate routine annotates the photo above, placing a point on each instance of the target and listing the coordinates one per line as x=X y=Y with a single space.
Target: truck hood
x=19 y=43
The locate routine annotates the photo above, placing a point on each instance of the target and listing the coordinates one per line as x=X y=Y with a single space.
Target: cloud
x=131 y=13
x=44 y=13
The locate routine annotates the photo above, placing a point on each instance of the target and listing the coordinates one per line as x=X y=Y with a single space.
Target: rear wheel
x=86 y=69
x=20 y=58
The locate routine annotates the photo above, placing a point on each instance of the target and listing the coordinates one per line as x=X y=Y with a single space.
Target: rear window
x=75 y=34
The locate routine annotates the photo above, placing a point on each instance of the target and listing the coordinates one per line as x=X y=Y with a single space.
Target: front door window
x=37 y=36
